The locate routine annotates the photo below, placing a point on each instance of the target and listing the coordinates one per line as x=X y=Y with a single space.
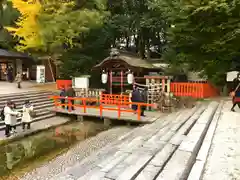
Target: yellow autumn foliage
x=27 y=27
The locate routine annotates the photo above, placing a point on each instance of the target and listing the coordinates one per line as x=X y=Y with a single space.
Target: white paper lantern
x=104 y=78
x=130 y=78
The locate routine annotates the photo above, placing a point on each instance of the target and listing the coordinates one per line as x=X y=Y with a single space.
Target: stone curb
x=198 y=167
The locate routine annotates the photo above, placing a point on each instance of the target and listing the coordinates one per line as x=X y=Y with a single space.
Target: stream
x=15 y=155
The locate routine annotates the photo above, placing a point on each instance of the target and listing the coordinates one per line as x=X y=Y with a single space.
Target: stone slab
x=114 y=162
x=136 y=143
x=196 y=171
x=114 y=173
x=191 y=142
x=148 y=173
x=109 y=159
x=177 y=167
x=94 y=174
x=135 y=168
x=196 y=134
x=162 y=156
x=177 y=139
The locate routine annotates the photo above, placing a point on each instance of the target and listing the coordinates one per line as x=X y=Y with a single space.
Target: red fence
x=113 y=99
x=63 y=83
x=195 y=90
x=98 y=104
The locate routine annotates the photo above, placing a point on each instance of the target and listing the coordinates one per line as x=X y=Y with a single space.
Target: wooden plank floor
x=163 y=150
x=126 y=116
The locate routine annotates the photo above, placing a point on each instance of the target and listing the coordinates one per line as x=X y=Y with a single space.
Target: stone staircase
x=174 y=147
x=39 y=99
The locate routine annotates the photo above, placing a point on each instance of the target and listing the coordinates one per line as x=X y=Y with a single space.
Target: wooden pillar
x=163 y=85
x=121 y=82
x=110 y=81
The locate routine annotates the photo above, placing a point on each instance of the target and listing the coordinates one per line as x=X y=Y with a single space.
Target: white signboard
x=81 y=82
x=231 y=75
x=41 y=74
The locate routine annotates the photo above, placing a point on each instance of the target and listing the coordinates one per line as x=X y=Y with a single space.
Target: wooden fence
x=194 y=89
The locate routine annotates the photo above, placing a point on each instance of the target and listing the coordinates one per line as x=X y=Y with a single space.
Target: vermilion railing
x=98 y=104
x=194 y=89
x=113 y=99
x=63 y=83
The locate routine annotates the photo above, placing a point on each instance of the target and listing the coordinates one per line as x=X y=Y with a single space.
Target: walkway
x=174 y=147
x=163 y=150
x=224 y=157
x=8 y=88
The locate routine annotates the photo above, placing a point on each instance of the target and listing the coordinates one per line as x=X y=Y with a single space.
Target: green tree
x=8 y=16
x=205 y=34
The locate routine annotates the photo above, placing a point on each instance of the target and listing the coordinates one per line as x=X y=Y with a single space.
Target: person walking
x=27 y=115
x=71 y=93
x=8 y=116
x=235 y=92
x=18 y=79
x=13 y=120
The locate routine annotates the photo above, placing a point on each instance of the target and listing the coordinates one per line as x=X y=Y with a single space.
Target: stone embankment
x=173 y=147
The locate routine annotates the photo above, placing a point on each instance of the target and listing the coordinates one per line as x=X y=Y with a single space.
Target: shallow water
x=14 y=155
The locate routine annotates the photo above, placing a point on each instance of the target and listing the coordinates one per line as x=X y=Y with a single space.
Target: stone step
x=184 y=156
x=164 y=150
x=27 y=94
x=35 y=103
x=23 y=98
x=121 y=163
x=42 y=116
x=39 y=112
x=199 y=165
x=157 y=163
x=42 y=106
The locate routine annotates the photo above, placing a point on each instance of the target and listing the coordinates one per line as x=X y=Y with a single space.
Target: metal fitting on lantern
x=104 y=77
x=130 y=77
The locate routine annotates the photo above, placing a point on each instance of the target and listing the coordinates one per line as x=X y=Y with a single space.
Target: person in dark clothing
x=137 y=97
x=144 y=100
x=71 y=93
x=63 y=94
x=236 y=90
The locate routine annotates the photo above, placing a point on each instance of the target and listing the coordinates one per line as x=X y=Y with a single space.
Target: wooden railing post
x=84 y=105
x=69 y=104
x=138 y=111
x=119 y=110
x=101 y=108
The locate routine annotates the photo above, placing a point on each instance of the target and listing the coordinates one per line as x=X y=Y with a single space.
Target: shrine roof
x=130 y=59
x=16 y=55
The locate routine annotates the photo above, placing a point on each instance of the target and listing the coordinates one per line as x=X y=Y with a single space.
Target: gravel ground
x=223 y=162
x=75 y=154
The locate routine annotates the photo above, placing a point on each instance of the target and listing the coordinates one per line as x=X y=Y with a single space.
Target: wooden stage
x=113 y=115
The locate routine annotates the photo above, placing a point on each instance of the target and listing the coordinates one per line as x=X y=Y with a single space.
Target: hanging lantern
x=130 y=78
x=104 y=77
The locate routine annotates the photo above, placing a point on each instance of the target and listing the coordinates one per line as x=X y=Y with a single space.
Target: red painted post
x=119 y=110
x=84 y=105
x=139 y=111
x=101 y=108
x=69 y=105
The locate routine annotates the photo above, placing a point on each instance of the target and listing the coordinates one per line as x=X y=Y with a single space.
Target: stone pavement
x=224 y=158
x=164 y=150
x=8 y=88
